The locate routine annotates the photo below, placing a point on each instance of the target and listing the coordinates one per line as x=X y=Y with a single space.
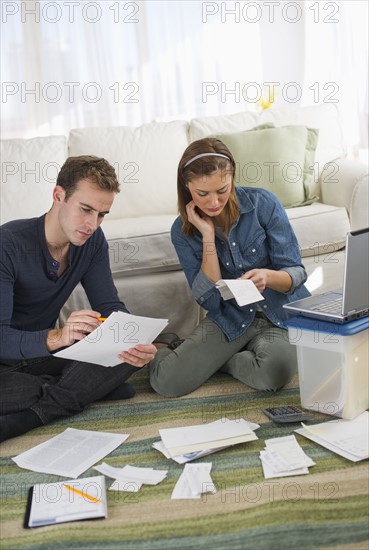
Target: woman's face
x=211 y=193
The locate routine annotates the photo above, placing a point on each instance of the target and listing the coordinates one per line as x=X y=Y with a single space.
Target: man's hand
x=139 y=356
x=78 y=324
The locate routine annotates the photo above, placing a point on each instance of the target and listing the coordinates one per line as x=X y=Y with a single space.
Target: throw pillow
x=278 y=159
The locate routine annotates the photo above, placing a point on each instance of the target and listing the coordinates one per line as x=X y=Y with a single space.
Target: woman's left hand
x=258 y=276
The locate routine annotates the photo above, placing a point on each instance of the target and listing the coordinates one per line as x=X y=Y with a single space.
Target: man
x=41 y=262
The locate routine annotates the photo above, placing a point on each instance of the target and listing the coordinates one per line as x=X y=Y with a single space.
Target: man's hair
x=87 y=167
x=190 y=167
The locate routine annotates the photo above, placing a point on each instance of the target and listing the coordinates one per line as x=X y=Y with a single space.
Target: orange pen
x=81 y=493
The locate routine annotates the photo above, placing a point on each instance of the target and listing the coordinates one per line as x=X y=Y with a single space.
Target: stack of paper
x=283 y=457
x=190 y=442
x=118 y=333
x=159 y=446
x=194 y=481
x=347 y=438
x=131 y=478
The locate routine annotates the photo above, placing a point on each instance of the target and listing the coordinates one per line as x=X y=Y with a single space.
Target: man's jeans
x=54 y=387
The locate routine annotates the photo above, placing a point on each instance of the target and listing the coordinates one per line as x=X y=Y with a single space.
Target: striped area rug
x=326 y=509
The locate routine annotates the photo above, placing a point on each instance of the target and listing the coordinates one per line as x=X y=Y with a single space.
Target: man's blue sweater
x=31 y=294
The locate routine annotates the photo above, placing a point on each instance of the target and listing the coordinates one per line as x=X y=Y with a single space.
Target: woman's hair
x=87 y=167
x=191 y=168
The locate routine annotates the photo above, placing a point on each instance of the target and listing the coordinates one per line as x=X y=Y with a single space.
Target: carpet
x=326 y=509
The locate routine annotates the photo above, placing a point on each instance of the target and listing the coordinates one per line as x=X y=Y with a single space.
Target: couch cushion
x=29 y=168
x=275 y=159
x=320 y=229
x=308 y=168
x=141 y=245
x=146 y=160
x=324 y=117
x=205 y=126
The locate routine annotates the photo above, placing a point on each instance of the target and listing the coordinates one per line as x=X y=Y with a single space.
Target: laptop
x=352 y=302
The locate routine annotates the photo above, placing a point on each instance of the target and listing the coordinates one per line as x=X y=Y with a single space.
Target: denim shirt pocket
x=255 y=254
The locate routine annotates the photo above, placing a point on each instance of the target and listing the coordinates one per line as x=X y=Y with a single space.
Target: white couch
x=143 y=261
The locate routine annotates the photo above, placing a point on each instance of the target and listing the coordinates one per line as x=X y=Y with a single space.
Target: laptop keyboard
x=334 y=306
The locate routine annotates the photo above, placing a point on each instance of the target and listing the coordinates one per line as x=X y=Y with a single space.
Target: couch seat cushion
x=320 y=229
x=141 y=245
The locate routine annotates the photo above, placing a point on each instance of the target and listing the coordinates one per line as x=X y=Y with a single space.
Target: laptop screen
x=356 y=277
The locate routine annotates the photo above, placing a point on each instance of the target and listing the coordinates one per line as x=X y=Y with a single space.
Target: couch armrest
x=346 y=183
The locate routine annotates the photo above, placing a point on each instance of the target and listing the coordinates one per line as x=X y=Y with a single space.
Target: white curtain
x=71 y=64
x=84 y=63
x=336 y=64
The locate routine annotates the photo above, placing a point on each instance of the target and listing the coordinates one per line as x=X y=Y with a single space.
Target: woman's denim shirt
x=262 y=237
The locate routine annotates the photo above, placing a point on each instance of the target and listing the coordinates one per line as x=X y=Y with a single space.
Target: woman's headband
x=206 y=155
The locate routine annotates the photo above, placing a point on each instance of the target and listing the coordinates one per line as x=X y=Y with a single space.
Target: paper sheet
x=347 y=438
x=70 y=453
x=131 y=478
x=242 y=290
x=118 y=333
x=194 y=481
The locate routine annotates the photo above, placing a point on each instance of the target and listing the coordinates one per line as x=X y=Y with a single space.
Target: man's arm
x=15 y=343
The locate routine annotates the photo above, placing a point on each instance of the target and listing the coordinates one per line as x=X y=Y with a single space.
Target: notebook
x=73 y=500
x=350 y=303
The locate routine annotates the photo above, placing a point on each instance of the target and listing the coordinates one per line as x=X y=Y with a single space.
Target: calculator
x=287 y=413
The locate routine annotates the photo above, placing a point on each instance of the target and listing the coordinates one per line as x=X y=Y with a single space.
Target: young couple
x=222 y=232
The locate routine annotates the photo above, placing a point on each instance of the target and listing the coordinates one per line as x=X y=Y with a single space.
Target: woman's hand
x=258 y=276
x=262 y=278
x=139 y=356
x=202 y=222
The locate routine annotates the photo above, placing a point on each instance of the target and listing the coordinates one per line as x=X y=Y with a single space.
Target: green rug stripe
x=215 y=404
x=264 y=525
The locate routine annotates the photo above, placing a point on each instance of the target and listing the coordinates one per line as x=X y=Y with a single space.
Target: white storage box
x=332 y=365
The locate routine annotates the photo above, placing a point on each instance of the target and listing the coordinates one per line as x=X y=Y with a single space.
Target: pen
x=94 y=499
x=102 y=318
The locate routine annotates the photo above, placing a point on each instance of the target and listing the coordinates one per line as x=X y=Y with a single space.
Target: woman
x=228 y=232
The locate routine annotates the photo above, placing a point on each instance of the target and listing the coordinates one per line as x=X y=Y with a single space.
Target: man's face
x=83 y=212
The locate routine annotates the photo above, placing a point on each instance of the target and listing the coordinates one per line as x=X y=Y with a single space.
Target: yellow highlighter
x=81 y=493
x=102 y=319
